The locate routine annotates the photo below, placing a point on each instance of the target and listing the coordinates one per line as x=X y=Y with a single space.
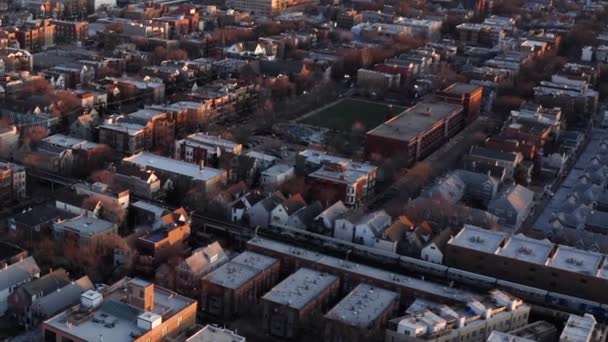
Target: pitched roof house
x=324 y=222
x=303 y=218
x=284 y=210
x=512 y=206
x=259 y=214
x=191 y=271
x=14 y=275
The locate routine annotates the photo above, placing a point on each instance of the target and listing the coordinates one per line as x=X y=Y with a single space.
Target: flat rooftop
x=85 y=226
x=339 y=176
x=144 y=115
x=215 y=334
x=576 y=260
x=240 y=270
x=398 y=280
x=478 y=239
x=211 y=140
x=300 y=288
x=527 y=249
x=319 y=157
x=69 y=142
x=153 y=161
x=497 y=336
x=363 y=305
x=415 y=120
x=578 y=328
x=127 y=127
x=115 y=320
x=277 y=169
x=460 y=88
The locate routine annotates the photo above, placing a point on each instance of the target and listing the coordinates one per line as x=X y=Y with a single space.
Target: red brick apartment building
x=202 y=147
x=362 y=314
x=537 y=263
x=468 y=95
x=129 y=310
x=288 y=305
x=337 y=179
x=417 y=132
x=157 y=246
x=234 y=287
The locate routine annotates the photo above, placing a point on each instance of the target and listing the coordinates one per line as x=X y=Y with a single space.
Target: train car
x=531 y=294
x=575 y=304
x=470 y=278
x=422 y=266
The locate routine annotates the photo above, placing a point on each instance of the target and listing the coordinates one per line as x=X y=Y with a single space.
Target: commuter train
x=530 y=294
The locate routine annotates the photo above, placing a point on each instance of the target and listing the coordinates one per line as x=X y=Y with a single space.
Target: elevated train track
x=375 y=257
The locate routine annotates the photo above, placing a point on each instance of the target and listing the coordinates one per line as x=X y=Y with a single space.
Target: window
x=165 y=329
x=583 y=281
x=179 y=321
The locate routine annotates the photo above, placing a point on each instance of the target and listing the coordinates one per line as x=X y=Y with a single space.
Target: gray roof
x=64 y=297
x=363 y=305
x=309 y=212
x=488 y=153
x=516 y=196
x=476 y=179
x=85 y=226
x=415 y=120
x=300 y=288
x=450 y=188
x=215 y=334
x=47 y=283
x=272 y=201
x=18 y=272
x=333 y=212
x=240 y=270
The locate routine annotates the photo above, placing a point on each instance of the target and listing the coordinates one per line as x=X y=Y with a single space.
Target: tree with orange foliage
x=33 y=134
x=65 y=103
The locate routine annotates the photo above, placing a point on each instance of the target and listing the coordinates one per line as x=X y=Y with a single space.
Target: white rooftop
x=347 y=176
x=576 y=260
x=115 y=320
x=151 y=160
x=527 y=249
x=277 y=169
x=210 y=140
x=363 y=305
x=579 y=328
x=69 y=142
x=300 y=288
x=479 y=239
x=215 y=334
x=241 y=269
x=497 y=336
x=127 y=127
x=85 y=226
x=319 y=157
x=261 y=156
x=144 y=114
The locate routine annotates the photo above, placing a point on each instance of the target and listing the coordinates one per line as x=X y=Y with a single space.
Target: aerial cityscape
x=303 y=170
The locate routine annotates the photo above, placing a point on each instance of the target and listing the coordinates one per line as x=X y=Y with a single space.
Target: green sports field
x=344 y=115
